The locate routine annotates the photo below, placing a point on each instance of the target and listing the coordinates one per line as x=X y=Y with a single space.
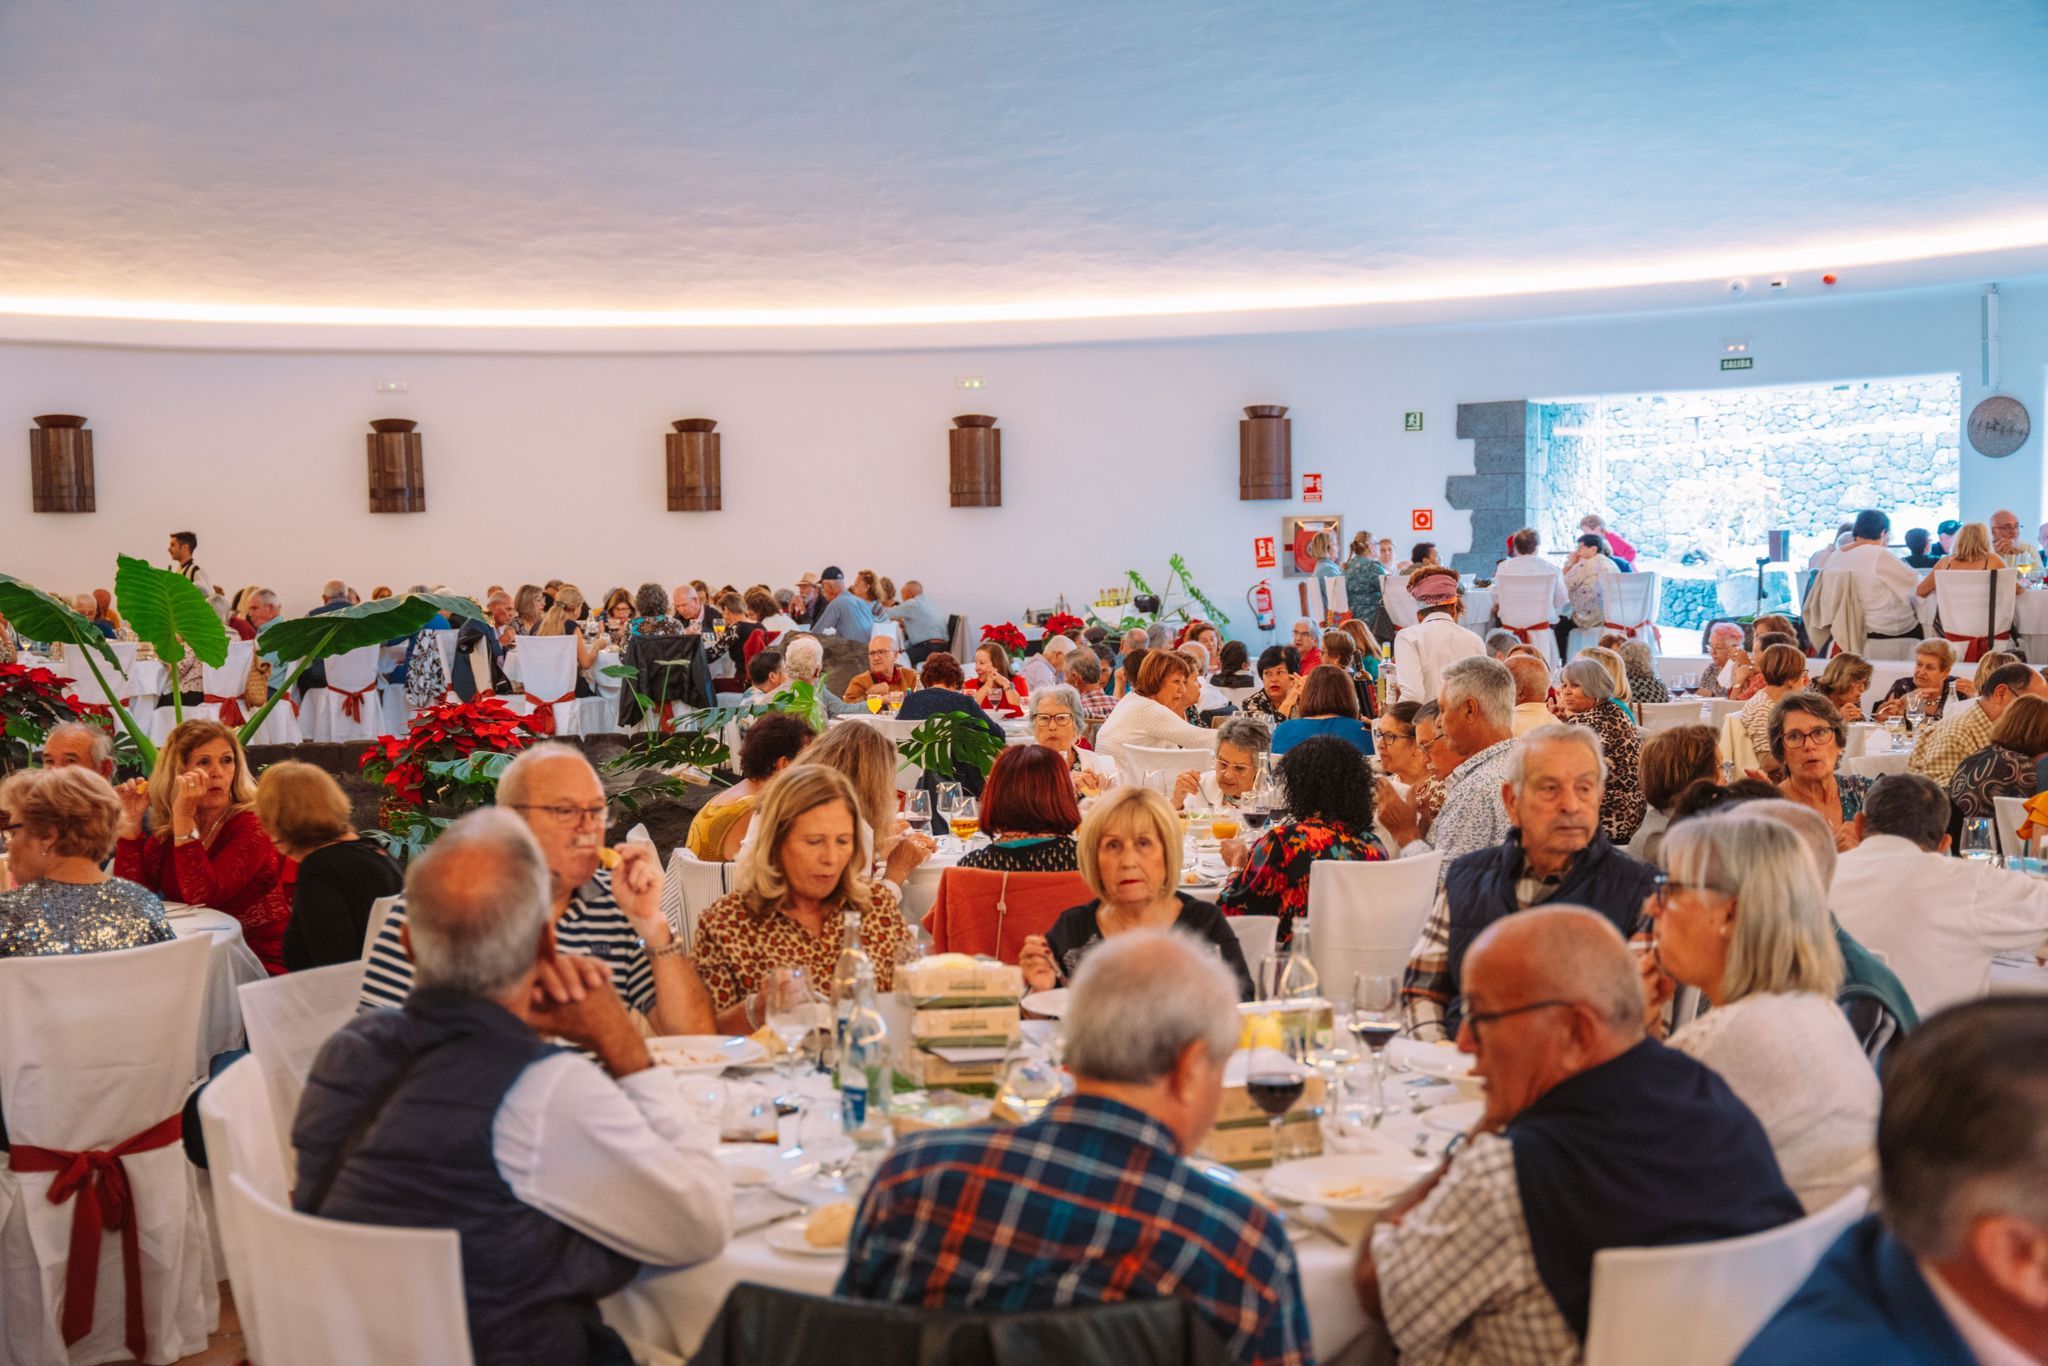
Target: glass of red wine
x=1375 y=1020
x=1274 y=1082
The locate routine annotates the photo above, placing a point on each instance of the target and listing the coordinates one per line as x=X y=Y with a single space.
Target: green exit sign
x=1738 y=362
x=1411 y=422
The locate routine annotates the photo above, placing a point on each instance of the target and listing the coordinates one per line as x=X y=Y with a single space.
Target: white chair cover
x=690 y=885
x=546 y=669
x=235 y=1116
x=1526 y=604
x=281 y=727
x=329 y=1293
x=2011 y=814
x=229 y=681
x=1969 y=606
x=1399 y=602
x=351 y=678
x=288 y=1018
x=1256 y=937
x=1236 y=696
x=1669 y=715
x=121 y=1064
x=1139 y=760
x=1697 y=1304
x=1366 y=917
x=86 y=688
x=1877 y=765
x=1736 y=746
x=1630 y=603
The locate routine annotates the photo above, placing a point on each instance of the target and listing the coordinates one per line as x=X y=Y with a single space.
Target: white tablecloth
x=2030 y=623
x=228 y=966
x=146 y=679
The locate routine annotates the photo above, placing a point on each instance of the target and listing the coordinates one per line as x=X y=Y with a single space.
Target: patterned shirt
x=1646 y=687
x=735 y=948
x=1260 y=704
x=1428 y=984
x=1621 y=800
x=44 y=917
x=1944 y=744
x=1993 y=771
x=593 y=925
x=1087 y=1204
x=1472 y=816
x=1364 y=587
x=1458 y=1278
x=1274 y=879
x=1026 y=854
x=1097 y=703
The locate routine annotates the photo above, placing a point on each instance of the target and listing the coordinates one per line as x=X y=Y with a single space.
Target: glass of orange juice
x=1223 y=825
x=875 y=704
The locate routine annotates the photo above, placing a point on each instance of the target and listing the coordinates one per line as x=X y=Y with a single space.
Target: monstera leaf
x=167 y=609
x=39 y=616
x=310 y=639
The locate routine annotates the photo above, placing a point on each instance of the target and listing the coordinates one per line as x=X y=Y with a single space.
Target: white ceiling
x=991 y=161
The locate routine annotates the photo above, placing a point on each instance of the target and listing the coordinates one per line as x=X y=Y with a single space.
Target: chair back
x=2010 y=815
x=329 y=1293
x=1629 y=603
x=1976 y=608
x=288 y=1018
x=1139 y=760
x=87 y=689
x=1877 y=765
x=1236 y=696
x=545 y=665
x=1697 y=1304
x=989 y=912
x=1525 y=602
x=1736 y=746
x=1399 y=602
x=690 y=885
x=234 y=1113
x=232 y=676
x=1668 y=715
x=1257 y=937
x=354 y=669
x=1365 y=917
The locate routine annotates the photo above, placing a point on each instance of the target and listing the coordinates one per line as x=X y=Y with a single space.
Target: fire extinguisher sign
x=1262 y=553
x=1311 y=488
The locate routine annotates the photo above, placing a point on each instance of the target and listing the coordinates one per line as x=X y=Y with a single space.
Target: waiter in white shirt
x=1884 y=582
x=1436 y=641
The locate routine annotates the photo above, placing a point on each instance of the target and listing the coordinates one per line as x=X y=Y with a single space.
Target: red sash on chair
x=1630 y=631
x=1974 y=647
x=1523 y=633
x=352 y=702
x=543 y=718
x=100 y=1179
x=230 y=708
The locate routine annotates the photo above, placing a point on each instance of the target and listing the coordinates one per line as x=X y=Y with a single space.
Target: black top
x=331 y=903
x=1037 y=854
x=1076 y=932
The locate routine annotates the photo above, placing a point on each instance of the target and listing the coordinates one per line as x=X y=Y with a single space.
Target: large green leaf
x=38 y=616
x=351 y=628
x=167 y=609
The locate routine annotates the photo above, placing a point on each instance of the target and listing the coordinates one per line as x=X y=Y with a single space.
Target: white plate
x=175 y=910
x=1052 y=1003
x=772 y=1164
x=1455 y=1119
x=1431 y=1059
x=788 y=1236
x=1359 y=1183
x=704 y=1055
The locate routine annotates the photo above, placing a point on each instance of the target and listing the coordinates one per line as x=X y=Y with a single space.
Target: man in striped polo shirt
x=612 y=916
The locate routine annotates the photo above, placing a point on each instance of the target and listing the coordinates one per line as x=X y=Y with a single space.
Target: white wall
x=1114 y=455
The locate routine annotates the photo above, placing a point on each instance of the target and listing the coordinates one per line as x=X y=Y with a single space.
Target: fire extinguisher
x=1261 y=600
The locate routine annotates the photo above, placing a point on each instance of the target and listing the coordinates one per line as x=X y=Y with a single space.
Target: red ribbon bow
x=542 y=720
x=1974 y=647
x=101 y=1178
x=1630 y=631
x=352 y=702
x=231 y=709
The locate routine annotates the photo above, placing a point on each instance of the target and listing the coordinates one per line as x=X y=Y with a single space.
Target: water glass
x=1979 y=844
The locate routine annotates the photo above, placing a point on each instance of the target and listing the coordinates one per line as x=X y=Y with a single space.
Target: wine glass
x=875 y=703
x=1374 y=1023
x=1274 y=1082
x=917 y=809
x=1030 y=1083
x=1916 y=709
x=965 y=822
x=794 y=1010
x=950 y=797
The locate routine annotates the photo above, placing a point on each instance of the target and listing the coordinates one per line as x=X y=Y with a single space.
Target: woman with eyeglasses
x=1740 y=916
x=1805 y=735
x=1397 y=740
x=1057 y=723
x=56 y=825
x=1029 y=814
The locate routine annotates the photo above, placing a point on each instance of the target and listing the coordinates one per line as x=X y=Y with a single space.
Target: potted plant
x=447 y=762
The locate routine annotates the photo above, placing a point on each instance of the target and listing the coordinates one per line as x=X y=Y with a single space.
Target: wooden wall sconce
x=60 y=464
x=1265 y=453
x=977 y=461
x=398 y=477
x=695 y=478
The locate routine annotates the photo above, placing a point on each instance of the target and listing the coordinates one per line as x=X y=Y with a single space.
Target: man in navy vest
x=1554 y=854
x=562 y=1175
x=1956 y=1267
x=1594 y=1137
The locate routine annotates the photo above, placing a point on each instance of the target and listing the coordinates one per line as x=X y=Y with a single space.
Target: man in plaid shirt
x=1093 y=1201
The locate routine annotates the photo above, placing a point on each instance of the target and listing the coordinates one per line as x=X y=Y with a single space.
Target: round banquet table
x=229 y=964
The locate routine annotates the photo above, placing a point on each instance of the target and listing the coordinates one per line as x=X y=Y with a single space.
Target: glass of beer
x=965 y=822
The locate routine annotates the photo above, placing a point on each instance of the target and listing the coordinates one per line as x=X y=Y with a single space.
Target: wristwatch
x=676 y=947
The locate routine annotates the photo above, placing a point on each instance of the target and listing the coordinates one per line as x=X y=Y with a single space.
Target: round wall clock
x=1998 y=426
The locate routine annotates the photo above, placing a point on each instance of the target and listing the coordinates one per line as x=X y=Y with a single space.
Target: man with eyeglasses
x=884 y=678
x=2006 y=541
x=608 y=917
x=1594 y=1136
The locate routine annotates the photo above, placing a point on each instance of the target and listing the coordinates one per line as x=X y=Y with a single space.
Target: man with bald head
x=2017 y=552
x=1594 y=1136
x=1532 y=689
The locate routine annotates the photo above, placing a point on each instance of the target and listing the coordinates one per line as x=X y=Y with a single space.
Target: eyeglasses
x=1432 y=742
x=1387 y=737
x=1462 y=1007
x=1806 y=738
x=566 y=816
x=1662 y=885
x=1052 y=718
x=6 y=830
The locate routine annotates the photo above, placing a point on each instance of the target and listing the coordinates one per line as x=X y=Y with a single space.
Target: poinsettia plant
x=31 y=702
x=447 y=763
x=1004 y=634
x=1059 y=623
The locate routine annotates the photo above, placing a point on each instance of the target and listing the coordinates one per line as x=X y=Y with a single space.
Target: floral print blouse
x=1274 y=879
x=1621 y=805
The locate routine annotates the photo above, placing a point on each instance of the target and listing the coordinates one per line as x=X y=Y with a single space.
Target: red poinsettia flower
x=1059 y=623
x=1004 y=634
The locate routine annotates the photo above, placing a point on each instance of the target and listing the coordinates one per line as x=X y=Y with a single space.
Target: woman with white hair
x=1057 y=722
x=1641 y=665
x=1740 y=915
x=1588 y=695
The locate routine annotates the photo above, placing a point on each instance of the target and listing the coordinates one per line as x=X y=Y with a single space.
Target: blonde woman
x=803 y=883
x=1742 y=917
x=204 y=844
x=1972 y=550
x=565 y=619
x=1130 y=858
x=341 y=875
x=1843 y=682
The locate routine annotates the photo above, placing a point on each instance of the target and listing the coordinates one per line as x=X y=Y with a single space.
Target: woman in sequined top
x=59 y=826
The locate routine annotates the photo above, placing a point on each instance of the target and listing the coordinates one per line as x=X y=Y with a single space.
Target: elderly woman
x=1029 y=814
x=1328 y=706
x=1672 y=760
x=2006 y=767
x=1724 y=646
x=1583 y=569
x=1057 y=722
x=998 y=690
x=616 y=620
x=1748 y=678
x=1616 y=670
x=803 y=655
x=803 y=884
x=1130 y=855
x=1804 y=738
x=1783 y=669
x=1307 y=644
x=205 y=844
x=1329 y=816
x=59 y=826
x=1641 y=667
x=1408 y=763
x=1239 y=743
x=341 y=875
x=651 y=602
x=1156 y=714
x=1588 y=696
x=771 y=744
x=1843 y=682
x=1740 y=914
x=1929 y=687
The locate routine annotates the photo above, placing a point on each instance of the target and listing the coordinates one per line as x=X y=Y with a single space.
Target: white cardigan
x=1138 y=720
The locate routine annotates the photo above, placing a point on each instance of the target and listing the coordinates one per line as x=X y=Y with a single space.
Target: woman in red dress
x=205 y=845
x=998 y=691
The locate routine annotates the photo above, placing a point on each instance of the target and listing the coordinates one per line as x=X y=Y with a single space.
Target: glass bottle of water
x=853 y=960
x=864 y=1074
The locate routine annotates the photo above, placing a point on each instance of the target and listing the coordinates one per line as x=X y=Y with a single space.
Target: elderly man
x=2017 y=552
x=1239 y=743
x=1476 y=716
x=1501 y=644
x=884 y=675
x=1938 y=921
x=1095 y=1201
x=1724 y=644
x=1951 y=1271
x=1551 y=787
x=1594 y=1136
x=612 y=916
x=803 y=656
x=333 y=598
x=924 y=626
x=1532 y=689
x=1133 y=639
x=1048 y=668
x=1423 y=652
x=1941 y=747
x=1884 y=585
x=1084 y=673
x=258 y=611
x=496 y=636
x=76 y=744
x=843 y=614
x=561 y=1175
